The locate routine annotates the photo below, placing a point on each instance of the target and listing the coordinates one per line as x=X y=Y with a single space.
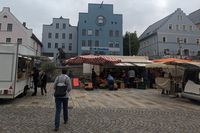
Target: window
x=111 y=33
x=83 y=32
x=9 y=27
x=56 y=35
x=164 y=39
x=49 y=45
x=184 y=27
x=96 y=43
x=185 y=40
x=49 y=35
x=8 y=40
x=178 y=40
x=56 y=45
x=57 y=25
x=83 y=43
x=186 y=52
x=63 y=35
x=70 y=47
x=4 y=16
x=166 y=51
x=19 y=40
x=85 y=21
x=64 y=26
x=177 y=27
x=96 y=32
x=191 y=28
x=117 y=33
x=170 y=26
x=110 y=44
x=90 y=43
x=0 y=26
x=63 y=45
x=90 y=32
x=70 y=36
x=198 y=41
x=117 y=44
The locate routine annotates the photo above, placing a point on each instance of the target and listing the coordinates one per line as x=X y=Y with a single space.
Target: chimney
x=24 y=24
x=6 y=9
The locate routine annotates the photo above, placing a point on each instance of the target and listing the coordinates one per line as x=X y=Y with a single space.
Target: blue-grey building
x=173 y=35
x=100 y=31
x=195 y=17
x=59 y=34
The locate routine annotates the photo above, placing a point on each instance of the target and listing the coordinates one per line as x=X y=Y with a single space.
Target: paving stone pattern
x=97 y=111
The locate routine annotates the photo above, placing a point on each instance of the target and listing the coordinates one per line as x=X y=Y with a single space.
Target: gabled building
x=173 y=35
x=13 y=31
x=195 y=18
x=59 y=34
x=100 y=31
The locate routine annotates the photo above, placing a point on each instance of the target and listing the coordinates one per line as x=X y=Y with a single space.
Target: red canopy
x=92 y=59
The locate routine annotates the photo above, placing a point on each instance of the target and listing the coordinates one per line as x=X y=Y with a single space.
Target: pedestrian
x=43 y=80
x=94 y=79
x=62 y=86
x=35 y=80
x=110 y=80
x=131 y=76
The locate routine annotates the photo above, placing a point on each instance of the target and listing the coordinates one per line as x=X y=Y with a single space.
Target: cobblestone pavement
x=158 y=115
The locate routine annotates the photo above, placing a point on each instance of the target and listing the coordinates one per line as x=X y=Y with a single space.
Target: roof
x=152 y=29
x=36 y=39
x=195 y=16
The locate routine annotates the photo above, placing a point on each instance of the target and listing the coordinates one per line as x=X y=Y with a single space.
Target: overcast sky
x=137 y=14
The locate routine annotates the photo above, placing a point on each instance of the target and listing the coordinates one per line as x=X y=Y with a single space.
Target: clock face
x=101 y=20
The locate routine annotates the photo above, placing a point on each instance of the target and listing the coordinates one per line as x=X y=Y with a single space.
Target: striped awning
x=92 y=59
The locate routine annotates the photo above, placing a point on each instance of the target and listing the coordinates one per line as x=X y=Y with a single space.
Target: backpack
x=60 y=91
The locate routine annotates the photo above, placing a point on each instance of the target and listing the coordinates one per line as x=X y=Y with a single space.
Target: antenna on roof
x=101 y=4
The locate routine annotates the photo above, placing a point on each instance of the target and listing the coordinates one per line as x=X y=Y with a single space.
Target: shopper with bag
x=62 y=86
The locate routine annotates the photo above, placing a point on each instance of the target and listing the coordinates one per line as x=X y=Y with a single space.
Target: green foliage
x=132 y=39
x=48 y=67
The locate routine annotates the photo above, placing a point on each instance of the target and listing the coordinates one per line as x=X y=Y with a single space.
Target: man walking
x=35 y=80
x=61 y=82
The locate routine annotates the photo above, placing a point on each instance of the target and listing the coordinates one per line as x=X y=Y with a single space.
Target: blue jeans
x=59 y=102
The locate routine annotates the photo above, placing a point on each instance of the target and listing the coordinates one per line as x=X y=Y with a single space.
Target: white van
x=15 y=71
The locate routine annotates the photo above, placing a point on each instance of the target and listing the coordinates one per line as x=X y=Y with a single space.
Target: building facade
x=195 y=17
x=171 y=36
x=13 y=31
x=100 y=31
x=59 y=34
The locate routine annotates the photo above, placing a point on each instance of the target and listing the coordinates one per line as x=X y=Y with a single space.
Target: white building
x=13 y=31
x=173 y=35
x=59 y=34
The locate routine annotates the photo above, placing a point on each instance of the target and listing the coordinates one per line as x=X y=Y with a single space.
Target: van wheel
x=25 y=90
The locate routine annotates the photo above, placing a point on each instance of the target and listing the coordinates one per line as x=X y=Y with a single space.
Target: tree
x=134 y=43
